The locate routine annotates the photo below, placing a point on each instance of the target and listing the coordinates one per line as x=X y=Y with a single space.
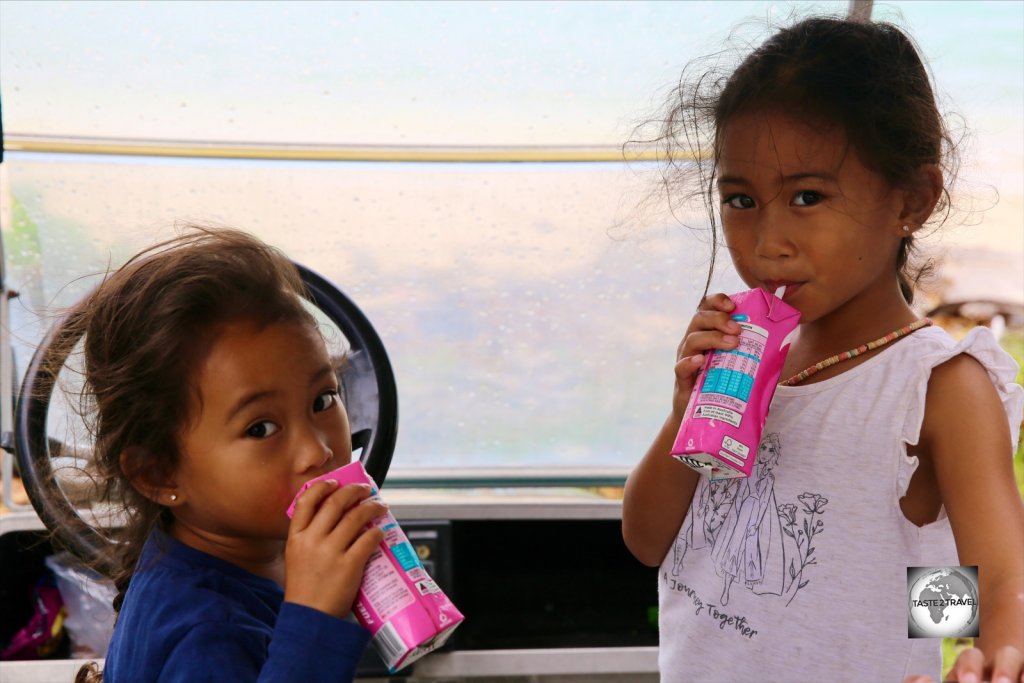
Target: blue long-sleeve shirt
x=191 y=617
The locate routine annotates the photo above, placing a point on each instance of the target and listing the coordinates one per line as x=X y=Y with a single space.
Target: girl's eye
x=807 y=198
x=261 y=430
x=325 y=401
x=739 y=201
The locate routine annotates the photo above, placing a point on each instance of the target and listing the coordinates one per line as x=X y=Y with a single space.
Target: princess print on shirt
x=749 y=547
x=752 y=539
x=714 y=502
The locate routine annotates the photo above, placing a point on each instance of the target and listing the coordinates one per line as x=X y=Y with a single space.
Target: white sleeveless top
x=799 y=573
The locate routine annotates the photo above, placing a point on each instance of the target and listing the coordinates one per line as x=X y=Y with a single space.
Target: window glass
x=520 y=329
x=531 y=310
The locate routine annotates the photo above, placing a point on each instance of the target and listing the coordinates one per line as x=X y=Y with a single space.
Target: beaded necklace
x=852 y=353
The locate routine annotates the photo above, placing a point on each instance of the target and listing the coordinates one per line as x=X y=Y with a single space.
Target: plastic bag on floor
x=88 y=597
x=44 y=632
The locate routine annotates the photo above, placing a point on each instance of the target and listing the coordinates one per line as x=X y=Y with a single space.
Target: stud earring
x=906 y=228
x=174 y=497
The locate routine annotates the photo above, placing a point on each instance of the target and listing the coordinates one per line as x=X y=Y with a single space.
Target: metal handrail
x=504 y=476
x=14 y=142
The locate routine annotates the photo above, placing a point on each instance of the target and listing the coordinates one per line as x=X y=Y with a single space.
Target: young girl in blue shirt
x=827 y=155
x=214 y=401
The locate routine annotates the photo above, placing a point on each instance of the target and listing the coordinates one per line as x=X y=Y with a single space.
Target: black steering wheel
x=367 y=381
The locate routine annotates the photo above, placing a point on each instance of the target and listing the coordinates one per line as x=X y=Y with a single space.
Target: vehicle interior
x=504 y=273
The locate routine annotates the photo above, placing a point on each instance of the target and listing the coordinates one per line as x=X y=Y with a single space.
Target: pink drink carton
x=724 y=419
x=405 y=612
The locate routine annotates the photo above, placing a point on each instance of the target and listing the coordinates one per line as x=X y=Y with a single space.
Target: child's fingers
x=706 y=340
x=686 y=366
x=333 y=507
x=717 y=302
x=307 y=504
x=712 y=321
x=710 y=328
x=364 y=545
x=351 y=526
x=968 y=667
x=1008 y=665
x=686 y=375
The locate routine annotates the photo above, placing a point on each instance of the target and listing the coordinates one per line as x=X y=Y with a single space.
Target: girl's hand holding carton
x=728 y=406
x=324 y=561
x=398 y=603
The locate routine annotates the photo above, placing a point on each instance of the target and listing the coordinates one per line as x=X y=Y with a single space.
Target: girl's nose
x=313 y=451
x=773 y=239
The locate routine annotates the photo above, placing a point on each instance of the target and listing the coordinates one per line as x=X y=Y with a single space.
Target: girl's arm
x=660 y=489
x=658 y=494
x=966 y=435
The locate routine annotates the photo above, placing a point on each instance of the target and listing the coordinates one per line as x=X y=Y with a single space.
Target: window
x=526 y=326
